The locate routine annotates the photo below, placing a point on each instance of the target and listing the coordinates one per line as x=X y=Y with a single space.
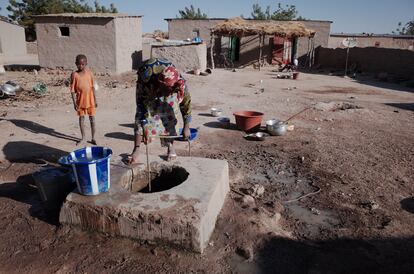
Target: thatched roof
x=241 y=27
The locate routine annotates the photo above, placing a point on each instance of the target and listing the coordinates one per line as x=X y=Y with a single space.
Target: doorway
x=234 y=53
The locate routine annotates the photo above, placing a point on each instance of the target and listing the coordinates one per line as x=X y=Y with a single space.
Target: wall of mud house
x=31 y=47
x=391 y=42
x=12 y=39
x=396 y=63
x=249 y=46
x=111 y=45
x=185 y=57
x=128 y=33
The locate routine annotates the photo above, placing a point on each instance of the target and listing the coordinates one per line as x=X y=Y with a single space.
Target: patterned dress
x=159 y=105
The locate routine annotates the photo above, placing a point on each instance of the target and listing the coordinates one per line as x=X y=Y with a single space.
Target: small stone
x=154 y=252
x=371 y=205
x=211 y=243
x=315 y=211
x=302 y=159
x=248 y=201
x=227 y=235
x=257 y=190
x=318 y=129
x=386 y=222
x=374 y=206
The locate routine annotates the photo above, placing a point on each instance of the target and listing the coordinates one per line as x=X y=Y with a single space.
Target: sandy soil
x=354 y=149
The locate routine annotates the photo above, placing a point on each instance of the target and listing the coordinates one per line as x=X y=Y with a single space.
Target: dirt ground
x=353 y=151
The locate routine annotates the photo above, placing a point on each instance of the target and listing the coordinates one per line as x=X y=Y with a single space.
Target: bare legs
x=82 y=130
x=93 y=129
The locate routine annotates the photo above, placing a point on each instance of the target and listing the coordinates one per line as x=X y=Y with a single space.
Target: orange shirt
x=82 y=85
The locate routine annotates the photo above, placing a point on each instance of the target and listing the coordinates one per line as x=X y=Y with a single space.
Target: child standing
x=85 y=103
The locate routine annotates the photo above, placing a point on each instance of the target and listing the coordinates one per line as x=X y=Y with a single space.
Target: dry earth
x=354 y=149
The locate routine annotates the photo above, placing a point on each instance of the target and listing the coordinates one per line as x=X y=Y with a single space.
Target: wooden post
x=260 y=50
x=212 y=49
x=263 y=44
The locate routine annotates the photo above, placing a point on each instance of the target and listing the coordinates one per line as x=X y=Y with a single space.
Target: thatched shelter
x=240 y=27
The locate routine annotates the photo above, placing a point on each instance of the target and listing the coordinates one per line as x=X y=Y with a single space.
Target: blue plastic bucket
x=91 y=167
x=193 y=134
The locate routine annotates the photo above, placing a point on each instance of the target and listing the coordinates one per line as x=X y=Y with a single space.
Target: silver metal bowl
x=215 y=112
x=8 y=89
x=258 y=136
x=276 y=127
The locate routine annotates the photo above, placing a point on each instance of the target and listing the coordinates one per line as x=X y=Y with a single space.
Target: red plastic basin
x=248 y=120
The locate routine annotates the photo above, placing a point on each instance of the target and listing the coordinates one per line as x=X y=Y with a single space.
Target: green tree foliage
x=22 y=11
x=103 y=9
x=286 y=13
x=191 y=13
x=259 y=14
x=407 y=29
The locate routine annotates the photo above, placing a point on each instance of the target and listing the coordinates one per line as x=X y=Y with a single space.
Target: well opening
x=162 y=178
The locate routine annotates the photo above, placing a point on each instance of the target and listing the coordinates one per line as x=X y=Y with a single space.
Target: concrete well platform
x=184 y=215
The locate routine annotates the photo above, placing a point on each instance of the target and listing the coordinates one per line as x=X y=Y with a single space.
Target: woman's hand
x=146 y=139
x=186 y=131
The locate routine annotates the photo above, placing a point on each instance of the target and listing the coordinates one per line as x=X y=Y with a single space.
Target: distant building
x=12 y=38
x=244 y=51
x=111 y=41
x=374 y=40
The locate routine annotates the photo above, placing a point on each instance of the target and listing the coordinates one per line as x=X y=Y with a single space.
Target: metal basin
x=276 y=127
x=258 y=136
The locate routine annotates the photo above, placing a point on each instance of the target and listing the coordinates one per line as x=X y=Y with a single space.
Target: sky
x=348 y=16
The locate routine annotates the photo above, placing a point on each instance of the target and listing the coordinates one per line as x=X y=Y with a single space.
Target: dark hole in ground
x=408 y=204
x=165 y=179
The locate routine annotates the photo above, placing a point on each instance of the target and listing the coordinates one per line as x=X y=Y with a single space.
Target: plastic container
x=52 y=183
x=248 y=121
x=91 y=169
x=193 y=134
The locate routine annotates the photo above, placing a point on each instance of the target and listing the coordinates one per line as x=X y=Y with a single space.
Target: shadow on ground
x=38 y=128
x=120 y=135
x=29 y=152
x=281 y=255
x=25 y=189
x=408 y=204
x=129 y=125
x=405 y=106
x=230 y=126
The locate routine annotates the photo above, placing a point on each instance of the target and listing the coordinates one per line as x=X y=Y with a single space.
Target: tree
x=103 y=9
x=191 y=13
x=259 y=14
x=407 y=29
x=286 y=13
x=22 y=11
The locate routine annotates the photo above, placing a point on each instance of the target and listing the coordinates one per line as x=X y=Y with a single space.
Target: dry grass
x=240 y=27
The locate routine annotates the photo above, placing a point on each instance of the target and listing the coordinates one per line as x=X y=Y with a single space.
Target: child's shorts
x=87 y=111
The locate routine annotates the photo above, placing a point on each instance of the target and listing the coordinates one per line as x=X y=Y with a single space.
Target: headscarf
x=170 y=78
